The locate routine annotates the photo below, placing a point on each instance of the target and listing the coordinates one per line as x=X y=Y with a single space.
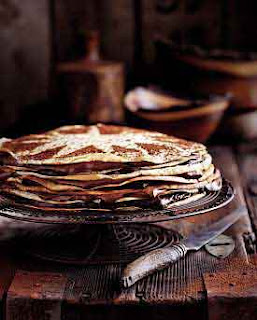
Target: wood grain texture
x=25 y=60
x=228 y=288
x=94 y=90
x=226 y=161
x=232 y=294
x=35 y=296
x=247 y=159
x=93 y=284
x=113 y=18
x=7 y=271
x=200 y=26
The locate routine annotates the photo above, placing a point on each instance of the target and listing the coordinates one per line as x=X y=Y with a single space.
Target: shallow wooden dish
x=212 y=71
x=220 y=72
x=186 y=118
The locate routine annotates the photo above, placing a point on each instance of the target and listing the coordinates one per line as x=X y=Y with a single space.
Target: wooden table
x=200 y=286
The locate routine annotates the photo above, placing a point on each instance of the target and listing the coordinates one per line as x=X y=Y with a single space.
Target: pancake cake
x=104 y=168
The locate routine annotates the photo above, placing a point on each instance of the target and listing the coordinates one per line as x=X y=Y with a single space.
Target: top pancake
x=97 y=143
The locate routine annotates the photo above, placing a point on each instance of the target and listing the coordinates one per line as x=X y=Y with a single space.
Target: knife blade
x=161 y=258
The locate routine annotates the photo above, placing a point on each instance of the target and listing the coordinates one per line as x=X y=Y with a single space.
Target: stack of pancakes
x=104 y=168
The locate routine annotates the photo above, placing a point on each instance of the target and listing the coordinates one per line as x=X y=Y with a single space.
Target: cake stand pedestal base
x=94 y=244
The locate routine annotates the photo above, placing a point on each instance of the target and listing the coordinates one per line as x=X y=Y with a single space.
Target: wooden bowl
x=211 y=72
x=186 y=118
x=216 y=72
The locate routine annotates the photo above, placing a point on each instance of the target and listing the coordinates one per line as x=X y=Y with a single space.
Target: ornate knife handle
x=149 y=263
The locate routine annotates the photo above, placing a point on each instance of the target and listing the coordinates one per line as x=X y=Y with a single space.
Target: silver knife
x=161 y=258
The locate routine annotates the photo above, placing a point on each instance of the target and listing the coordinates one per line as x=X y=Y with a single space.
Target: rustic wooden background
x=34 y=35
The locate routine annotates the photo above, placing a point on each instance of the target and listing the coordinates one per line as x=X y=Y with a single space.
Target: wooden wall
x=184 y=21
x=24 y=56
x=123 y=24
x=128 y=26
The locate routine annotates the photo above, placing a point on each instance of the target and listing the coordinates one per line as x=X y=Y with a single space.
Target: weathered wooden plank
x=232 y=294
x=253 y=259
x=247 y=158
x=226 y=161
x=7 y=271
x=227 y=288
x=93 y=284
x=34 y=295
x=128 y=312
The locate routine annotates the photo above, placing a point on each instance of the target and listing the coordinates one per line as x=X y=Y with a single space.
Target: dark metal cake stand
x=84 y=237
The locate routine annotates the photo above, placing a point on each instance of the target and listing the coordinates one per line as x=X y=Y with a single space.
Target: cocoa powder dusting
x=152 y=148
x=43 y=155
x=121 y=150
x=86 y=150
